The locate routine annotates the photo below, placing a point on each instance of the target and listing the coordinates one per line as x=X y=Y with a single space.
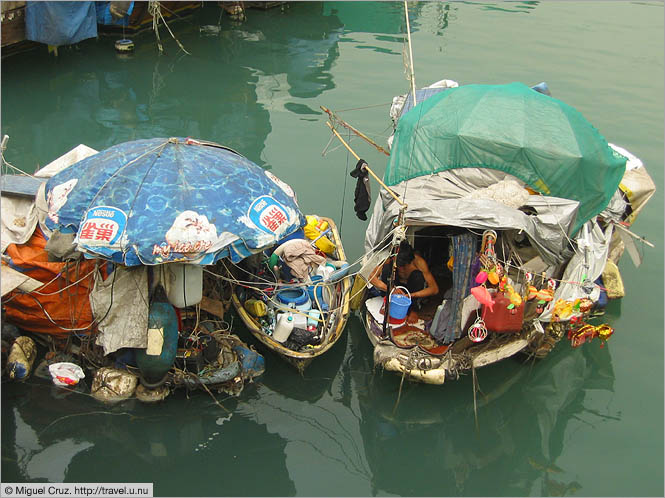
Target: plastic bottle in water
x=22 y=355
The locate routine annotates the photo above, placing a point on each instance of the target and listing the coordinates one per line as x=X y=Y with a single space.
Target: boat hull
x=301 y=359
x=418 y=365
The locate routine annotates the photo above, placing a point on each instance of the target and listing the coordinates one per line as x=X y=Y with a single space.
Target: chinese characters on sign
x=102 y=226
x=272 y=218
x=93 y=231
x=268 y=214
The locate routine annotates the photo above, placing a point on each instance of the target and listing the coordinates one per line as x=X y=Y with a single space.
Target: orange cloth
x=69 y=308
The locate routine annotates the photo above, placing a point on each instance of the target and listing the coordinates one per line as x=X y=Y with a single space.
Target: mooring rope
x=155 y=10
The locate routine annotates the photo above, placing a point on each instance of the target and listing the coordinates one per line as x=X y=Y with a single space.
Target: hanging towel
x=363 y=194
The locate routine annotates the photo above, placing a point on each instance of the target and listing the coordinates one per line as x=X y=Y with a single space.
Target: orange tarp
x=65 y=301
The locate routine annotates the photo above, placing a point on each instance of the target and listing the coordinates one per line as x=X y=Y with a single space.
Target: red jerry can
x=501 y=319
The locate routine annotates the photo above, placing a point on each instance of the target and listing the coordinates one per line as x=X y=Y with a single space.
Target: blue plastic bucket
x=319 y=290
x=317 y=279
x=296 y=296
x=399 y=305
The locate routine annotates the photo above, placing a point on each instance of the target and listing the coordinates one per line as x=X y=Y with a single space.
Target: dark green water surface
x=586 y=421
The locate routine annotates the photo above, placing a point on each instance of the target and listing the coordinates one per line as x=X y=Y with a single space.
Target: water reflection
x=186 y=447
x=524 y=417
x=520 y=7
x=370 y=17
x=318 y=418
x=248 y=70
x=335 y=430
x=340 y=416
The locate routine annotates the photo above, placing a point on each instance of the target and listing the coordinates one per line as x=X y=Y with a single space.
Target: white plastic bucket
x=65 y=374
x=184 y=286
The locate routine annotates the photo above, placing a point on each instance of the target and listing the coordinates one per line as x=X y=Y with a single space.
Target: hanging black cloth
x=363 y=195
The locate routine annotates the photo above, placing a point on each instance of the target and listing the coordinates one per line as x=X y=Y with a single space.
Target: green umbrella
x=542 y=141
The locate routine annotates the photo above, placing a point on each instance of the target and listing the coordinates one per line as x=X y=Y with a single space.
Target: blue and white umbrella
x=162 y=200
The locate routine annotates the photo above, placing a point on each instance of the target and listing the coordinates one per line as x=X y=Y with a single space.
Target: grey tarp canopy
x=441 y=199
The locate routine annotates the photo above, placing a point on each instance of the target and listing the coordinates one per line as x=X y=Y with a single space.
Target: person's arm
x=432 y=287
x=375 y=278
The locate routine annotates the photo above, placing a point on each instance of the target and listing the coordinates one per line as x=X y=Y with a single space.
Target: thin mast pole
x=400 y=222
x=408 y=33
x=388 y=189
x=393 y=270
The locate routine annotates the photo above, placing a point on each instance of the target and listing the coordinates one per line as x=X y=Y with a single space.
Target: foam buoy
x=124 y=45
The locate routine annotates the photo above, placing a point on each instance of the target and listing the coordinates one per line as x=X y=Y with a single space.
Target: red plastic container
x=501 y=319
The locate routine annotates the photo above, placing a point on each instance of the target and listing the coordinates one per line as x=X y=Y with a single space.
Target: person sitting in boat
x=412 y=273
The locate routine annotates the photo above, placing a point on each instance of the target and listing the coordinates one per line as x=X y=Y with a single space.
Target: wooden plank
x=8 y=5
x=13 y=24
x=12 y=279
x=75 y=155
x=497 y=354
x=20 y=185
x=264 y=5
x=213 y=306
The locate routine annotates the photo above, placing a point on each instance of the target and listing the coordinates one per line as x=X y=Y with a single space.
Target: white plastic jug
x=283 y=327
x=300 y=320
x=184 y=284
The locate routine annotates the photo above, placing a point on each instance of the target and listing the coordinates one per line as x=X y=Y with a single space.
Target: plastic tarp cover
x=595 y=242
x=444 y=199
x=52 y=310
x=20 y=215
x=60 y=23
x=19 y=219
x=540 y=140
x=104 y=16
x=120 y=303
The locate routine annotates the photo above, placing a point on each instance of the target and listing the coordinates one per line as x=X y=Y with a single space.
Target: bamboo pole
x=625 y=230
x=393 y=270
x=334 y=117
x=408 y=33
x=388 y=189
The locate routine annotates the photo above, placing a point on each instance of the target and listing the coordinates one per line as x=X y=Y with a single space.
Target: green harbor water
x=582 y=422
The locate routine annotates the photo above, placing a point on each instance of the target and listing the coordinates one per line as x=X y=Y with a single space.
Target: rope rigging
x=155 y=10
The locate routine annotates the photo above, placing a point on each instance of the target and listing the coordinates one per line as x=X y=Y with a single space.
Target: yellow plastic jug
x=256 y=307
x=312 y=231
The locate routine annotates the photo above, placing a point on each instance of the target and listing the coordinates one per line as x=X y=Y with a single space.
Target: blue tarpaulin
x=104 y=16
x=60 y=23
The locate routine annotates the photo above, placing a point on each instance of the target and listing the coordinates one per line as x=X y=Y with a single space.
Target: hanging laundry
x=363 y=194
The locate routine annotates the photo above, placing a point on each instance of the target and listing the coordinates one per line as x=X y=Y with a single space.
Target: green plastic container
x=153 y=368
